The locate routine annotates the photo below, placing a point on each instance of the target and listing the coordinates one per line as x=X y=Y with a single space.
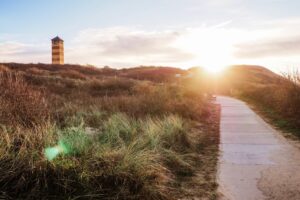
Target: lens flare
x=52 y=152
x=71 y=142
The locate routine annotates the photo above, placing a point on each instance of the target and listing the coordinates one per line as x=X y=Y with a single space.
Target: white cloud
x=12 y=51
x=285 y=46
x=11 y=48
x=128 y=46
x=220 y=44
x=269 y=42
x=278 y=38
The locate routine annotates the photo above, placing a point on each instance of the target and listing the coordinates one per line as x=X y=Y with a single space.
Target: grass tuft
x=73 y=132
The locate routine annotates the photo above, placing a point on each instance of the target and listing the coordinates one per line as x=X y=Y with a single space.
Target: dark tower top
x=57 y=39
x=57 y=51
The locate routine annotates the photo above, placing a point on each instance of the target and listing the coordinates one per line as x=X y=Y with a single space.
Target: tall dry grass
x=276 y=96
x=20 y=104
x=130 y=139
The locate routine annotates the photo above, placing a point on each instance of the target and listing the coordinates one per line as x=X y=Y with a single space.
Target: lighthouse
x=57 y=51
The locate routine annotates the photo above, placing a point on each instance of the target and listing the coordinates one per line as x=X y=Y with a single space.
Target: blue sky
x=182 y=33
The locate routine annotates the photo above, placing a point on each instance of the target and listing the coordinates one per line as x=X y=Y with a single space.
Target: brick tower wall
x=58 y=52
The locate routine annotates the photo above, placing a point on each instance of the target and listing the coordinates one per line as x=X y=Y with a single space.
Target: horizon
x=132 y=33
x=150 y=99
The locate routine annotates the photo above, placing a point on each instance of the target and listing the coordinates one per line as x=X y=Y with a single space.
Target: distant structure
x=57 y=51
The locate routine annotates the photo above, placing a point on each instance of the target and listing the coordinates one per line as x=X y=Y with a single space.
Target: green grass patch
x=281 y=122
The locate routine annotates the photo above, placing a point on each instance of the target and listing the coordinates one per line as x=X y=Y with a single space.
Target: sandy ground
x=256 y=161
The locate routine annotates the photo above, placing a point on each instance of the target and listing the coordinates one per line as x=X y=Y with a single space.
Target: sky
x=128 y=33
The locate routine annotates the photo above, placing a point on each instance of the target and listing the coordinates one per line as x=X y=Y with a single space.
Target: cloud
x=11 y=48
x=116 y=46
x=221 y=44
x=269 y=48
x=12 y=51
x=276 y=38
x=128 y=45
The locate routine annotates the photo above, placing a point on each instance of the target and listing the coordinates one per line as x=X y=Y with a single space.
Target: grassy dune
x=121 y=134
x=275 y=96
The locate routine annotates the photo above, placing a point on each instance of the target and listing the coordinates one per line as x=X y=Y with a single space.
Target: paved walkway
x=256 y=162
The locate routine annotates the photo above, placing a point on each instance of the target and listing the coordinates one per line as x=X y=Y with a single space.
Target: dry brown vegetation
x=276 y=96
x=136 y=133
x=20 y=104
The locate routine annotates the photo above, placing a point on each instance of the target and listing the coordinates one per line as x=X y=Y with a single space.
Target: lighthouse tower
x=57 y=51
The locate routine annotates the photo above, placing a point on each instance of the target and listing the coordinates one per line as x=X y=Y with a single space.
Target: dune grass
x=275 y=97
x=108 y=137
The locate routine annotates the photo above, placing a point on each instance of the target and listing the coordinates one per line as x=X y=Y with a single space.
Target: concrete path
x=256 y=162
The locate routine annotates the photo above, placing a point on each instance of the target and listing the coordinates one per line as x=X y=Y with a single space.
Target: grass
x=279 y=121
x=275 y=97
x=19 y=103
x=73 y=132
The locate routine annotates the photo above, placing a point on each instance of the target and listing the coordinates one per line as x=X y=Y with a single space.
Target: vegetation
x=276 y=97
x=74 y=132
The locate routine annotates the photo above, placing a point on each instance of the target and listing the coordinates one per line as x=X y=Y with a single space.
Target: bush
x=37 y=71
x=4 y=69
x=110 y=87
x=20 y=104
x=68 y=73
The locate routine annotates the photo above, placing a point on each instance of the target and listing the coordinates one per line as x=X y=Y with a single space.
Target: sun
x=214 y=55
x=214 y=70
x=215 y=61
x=212 y=49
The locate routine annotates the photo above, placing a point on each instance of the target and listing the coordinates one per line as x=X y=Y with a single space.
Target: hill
x=81 y=132
x=157 y=74
x=276 y=96
x=255 y=74
x=238 y=77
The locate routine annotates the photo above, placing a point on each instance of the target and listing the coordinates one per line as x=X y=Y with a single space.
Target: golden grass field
x=78 y=132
